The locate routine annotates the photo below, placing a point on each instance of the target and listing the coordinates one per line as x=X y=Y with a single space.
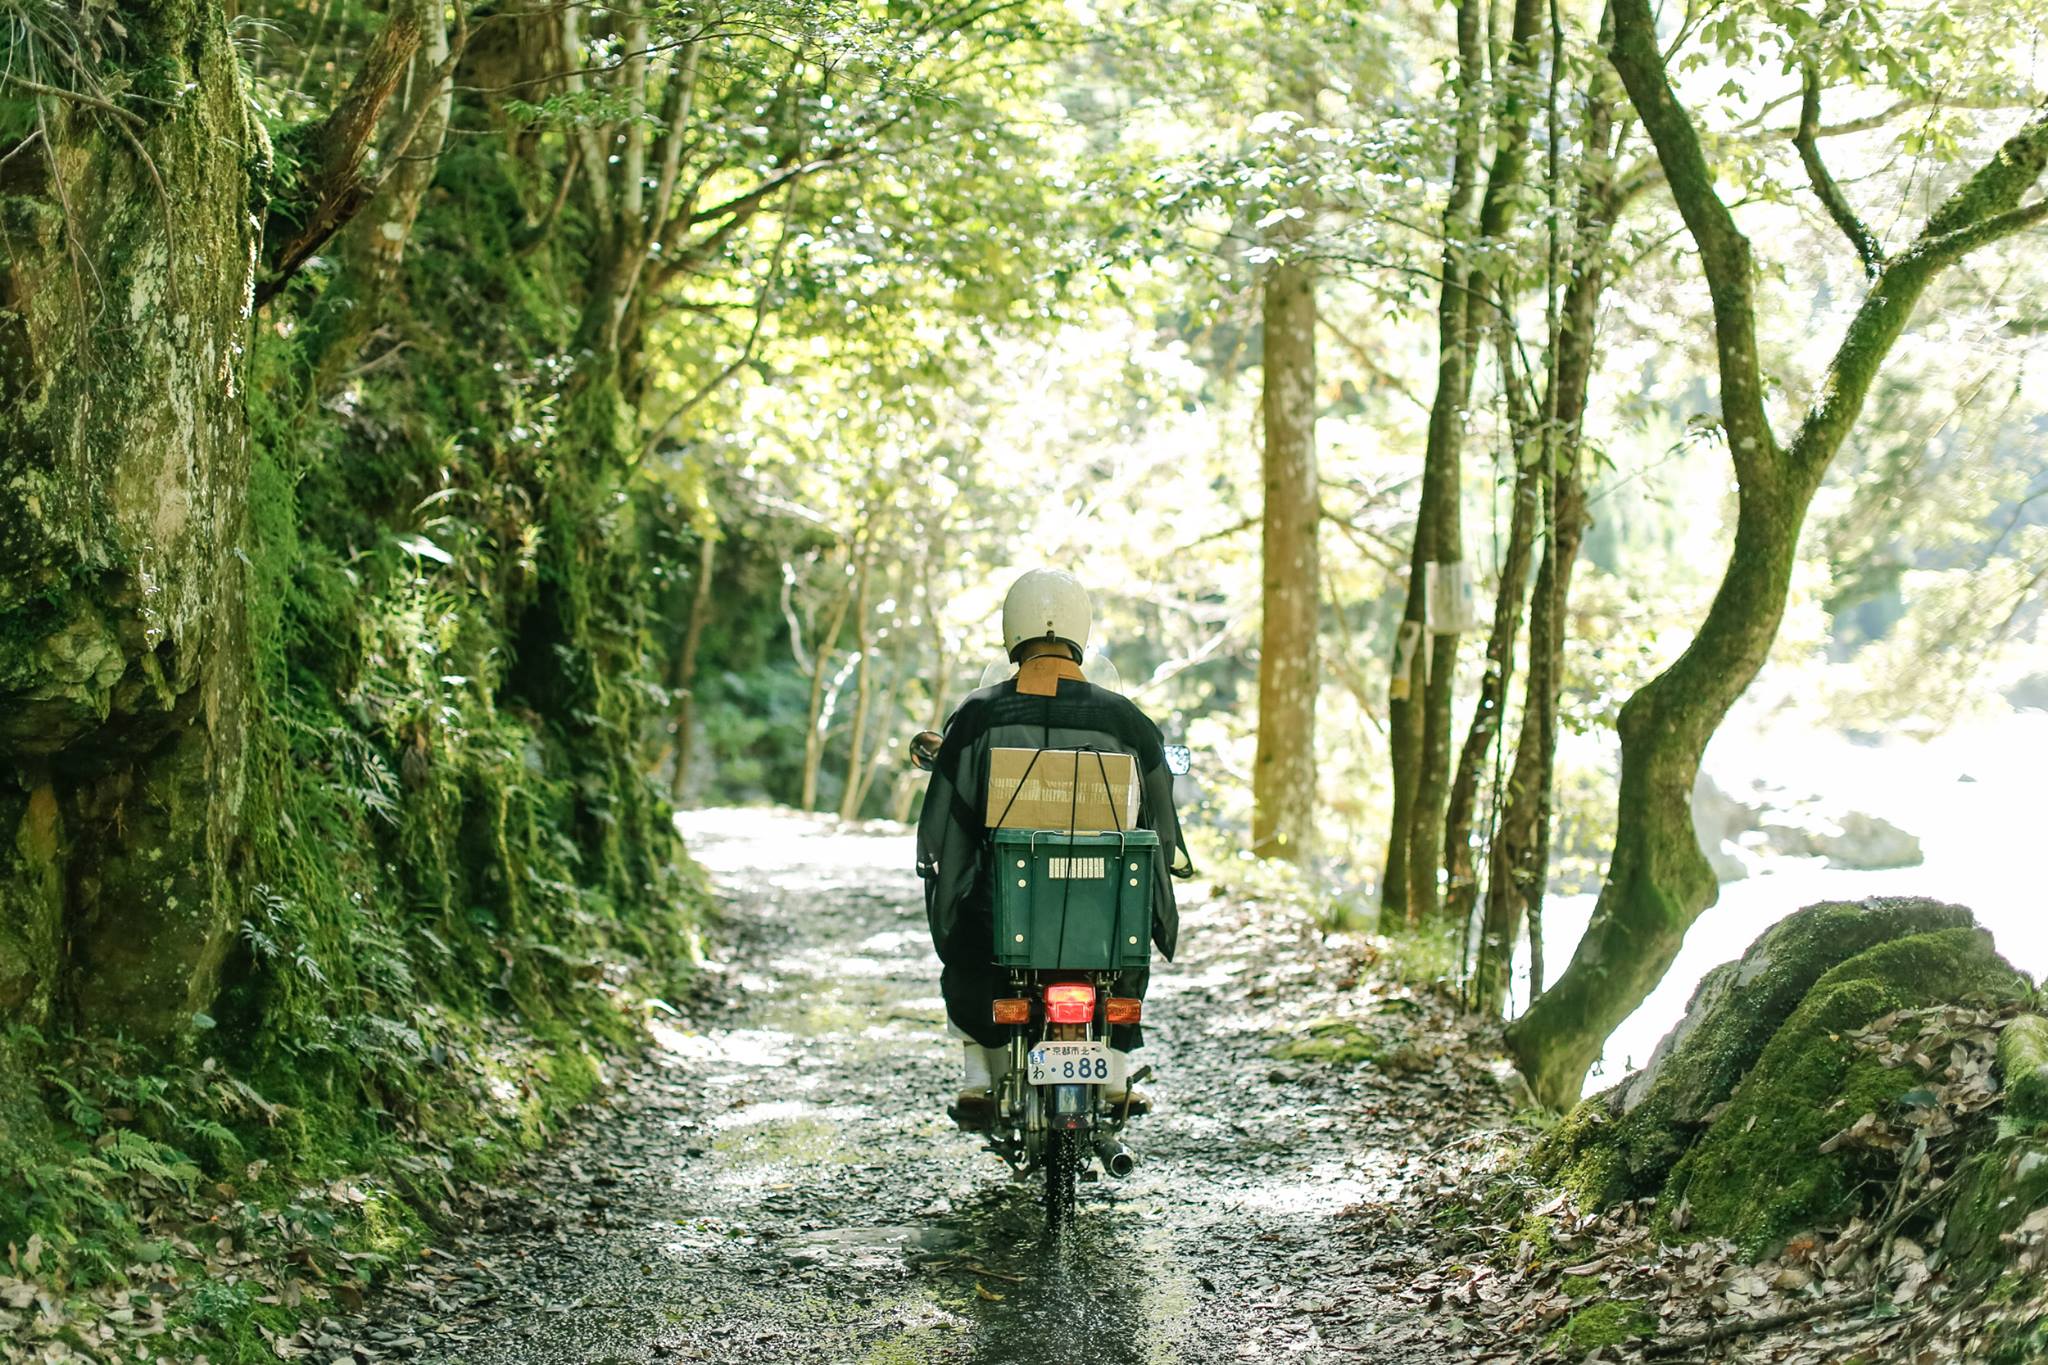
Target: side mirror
x=1179 y=760
x=924 y=749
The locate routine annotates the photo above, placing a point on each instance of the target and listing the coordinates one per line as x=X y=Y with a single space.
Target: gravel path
x=778 y=1181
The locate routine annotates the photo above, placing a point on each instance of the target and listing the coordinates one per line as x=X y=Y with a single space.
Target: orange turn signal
x=1123 y=1011
x=1013 y=1011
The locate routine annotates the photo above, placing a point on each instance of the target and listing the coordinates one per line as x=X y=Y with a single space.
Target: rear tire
x=1063 y=1158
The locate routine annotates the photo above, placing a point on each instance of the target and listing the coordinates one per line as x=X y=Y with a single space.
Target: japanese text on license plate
x=1068 y=1064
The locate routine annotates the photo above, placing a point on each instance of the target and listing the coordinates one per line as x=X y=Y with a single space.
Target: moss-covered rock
x=1997 y=1190
x=1331 y=1040
x=2023 y=1063
x=124 y=464
x=1623 y=1143
x=1758 y=1173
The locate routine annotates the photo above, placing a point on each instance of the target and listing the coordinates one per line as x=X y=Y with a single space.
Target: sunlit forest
x=490 y=495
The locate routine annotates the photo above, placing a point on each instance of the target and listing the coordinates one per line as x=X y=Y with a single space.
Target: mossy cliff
x=325 y=842
x=124 y=473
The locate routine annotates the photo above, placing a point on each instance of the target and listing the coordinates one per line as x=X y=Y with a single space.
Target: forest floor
x=1332 y=1173
x=778 y=1181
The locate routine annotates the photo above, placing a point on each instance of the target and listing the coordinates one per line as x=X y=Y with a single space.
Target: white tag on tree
x=1447 y=592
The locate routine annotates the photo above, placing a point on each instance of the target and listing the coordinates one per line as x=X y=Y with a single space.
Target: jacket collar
x=1040 y=677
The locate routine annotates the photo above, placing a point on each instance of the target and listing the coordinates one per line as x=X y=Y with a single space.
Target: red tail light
x=1122 y=1011
x=1013 y=1011
x=1070 y=1003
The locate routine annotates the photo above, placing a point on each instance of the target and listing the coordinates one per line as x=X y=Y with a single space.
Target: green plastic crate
x=1079 y=902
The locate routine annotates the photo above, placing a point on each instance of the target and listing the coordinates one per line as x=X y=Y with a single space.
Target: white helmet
x=1046 y=604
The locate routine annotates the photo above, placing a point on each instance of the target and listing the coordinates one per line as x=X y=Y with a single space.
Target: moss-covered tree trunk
x=1518 y=857
x=1658 y=881
x=1406 y=692
x=1472 y=274
x=125 y=289
x=363 y=294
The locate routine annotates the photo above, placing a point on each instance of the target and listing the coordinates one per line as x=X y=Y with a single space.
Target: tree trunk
x=814 y=728
x=1284 y=766
x=864 y=689
x=1518 y=858
x=1439 y=537
x=685 y=681
x=1461 y=885
x=1658 y=881
x=127 y=279
x=1407 y=699
x=1284 y=774
x=874 y=765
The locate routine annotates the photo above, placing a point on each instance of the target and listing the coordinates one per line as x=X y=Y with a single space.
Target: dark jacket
x=952 y=834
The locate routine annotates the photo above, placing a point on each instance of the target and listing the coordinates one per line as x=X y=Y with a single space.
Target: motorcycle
x=1052 y=1107
x=1072 y=913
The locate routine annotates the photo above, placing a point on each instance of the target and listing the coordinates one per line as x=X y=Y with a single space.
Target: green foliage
x=1598 y=1325
x=1339 y=1041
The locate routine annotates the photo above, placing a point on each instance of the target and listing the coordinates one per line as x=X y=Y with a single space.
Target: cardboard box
x=1107 y=799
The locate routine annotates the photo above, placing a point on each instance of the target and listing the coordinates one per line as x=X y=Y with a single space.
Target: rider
x=1048 y=704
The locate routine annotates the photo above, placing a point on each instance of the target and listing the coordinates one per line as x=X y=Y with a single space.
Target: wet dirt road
x=778 y=1182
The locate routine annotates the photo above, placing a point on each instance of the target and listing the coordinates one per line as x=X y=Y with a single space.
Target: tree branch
x=1984 y=209
x=762 y=301
x=1725 y=254
x=1954 y=245
x=335 y=190
x=751 y=199
x=1824 y=187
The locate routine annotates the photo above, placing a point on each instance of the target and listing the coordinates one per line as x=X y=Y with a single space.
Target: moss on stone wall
x=322 y=682
x=2023 y=1062
x=123 y=481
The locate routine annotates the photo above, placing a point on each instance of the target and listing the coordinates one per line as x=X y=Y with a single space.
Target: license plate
x=1068 y=1064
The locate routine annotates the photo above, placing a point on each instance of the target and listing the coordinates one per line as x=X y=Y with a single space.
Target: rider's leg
x=1124 y=1039
x=968 y=991
x=975 y=1068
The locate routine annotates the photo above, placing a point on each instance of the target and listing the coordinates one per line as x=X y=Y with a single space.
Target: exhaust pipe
x=1116 y=1158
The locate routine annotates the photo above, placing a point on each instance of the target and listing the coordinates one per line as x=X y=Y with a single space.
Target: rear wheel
x=1063 y=1158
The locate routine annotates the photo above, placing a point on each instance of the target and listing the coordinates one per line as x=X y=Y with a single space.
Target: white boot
x=975 y=1067
x=975 y=1105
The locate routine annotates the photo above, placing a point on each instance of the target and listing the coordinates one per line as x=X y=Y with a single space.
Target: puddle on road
x=1110 y=1290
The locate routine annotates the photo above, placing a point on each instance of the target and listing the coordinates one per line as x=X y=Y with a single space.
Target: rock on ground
x=1624 y=1142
